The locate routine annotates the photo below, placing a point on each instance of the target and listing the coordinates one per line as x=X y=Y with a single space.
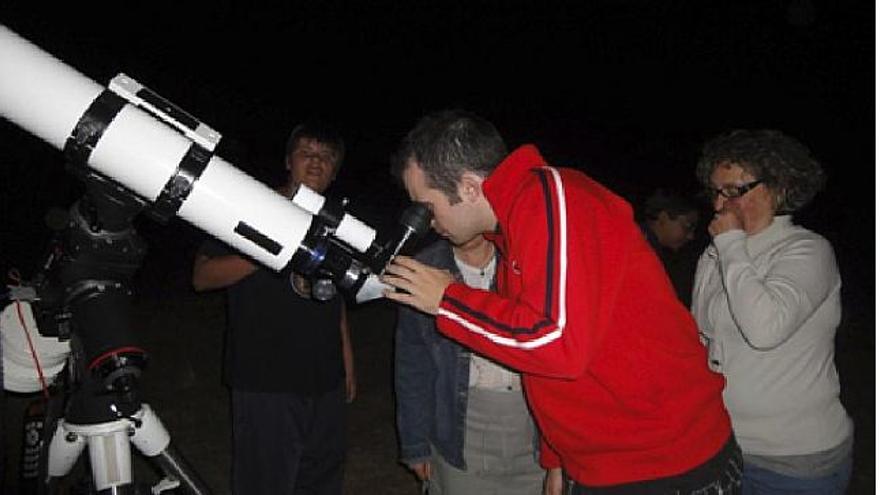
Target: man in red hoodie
x=612 y=365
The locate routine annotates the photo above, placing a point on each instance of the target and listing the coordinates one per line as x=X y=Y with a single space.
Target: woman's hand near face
x=729 y=218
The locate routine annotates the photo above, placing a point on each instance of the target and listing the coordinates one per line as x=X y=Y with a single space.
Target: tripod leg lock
x=164 y=485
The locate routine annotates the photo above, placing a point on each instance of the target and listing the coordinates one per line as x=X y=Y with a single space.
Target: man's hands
x=423 y=285
x=422 y=470
x=348 y=358
x=350 y=387
x=553 y=482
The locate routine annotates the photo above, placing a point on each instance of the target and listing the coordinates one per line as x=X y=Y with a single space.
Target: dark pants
x=758 y=481
x=285 y=444
x=720 y=475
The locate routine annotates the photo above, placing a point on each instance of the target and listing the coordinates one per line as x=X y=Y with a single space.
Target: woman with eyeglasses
x=767 y=301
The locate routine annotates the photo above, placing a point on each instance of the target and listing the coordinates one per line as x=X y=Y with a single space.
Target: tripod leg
x=175 y=466
x=152 y=439
x=64 y=450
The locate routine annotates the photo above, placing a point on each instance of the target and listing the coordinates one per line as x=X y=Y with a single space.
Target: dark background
x=624 y=90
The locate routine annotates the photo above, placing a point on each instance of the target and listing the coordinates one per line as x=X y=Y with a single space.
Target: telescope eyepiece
x=416 y=217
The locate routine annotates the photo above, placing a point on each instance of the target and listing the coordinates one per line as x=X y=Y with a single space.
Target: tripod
x=82 y=297
x=110 y=454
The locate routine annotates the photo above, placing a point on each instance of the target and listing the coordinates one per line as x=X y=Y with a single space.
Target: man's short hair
x=322 y=132
x=448 y=143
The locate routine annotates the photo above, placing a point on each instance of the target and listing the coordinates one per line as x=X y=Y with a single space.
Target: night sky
x=623 y=90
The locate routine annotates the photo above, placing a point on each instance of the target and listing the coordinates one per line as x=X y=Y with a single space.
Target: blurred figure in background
x=669 y=222
x=767 y=301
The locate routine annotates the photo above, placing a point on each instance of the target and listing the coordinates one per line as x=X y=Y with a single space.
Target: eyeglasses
x=732 y=192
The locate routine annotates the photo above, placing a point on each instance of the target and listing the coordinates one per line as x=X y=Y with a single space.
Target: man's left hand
x=423 y=285
x=553 y=482
x=350 y=387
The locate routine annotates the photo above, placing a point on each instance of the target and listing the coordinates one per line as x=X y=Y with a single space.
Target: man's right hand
x=423 y=286
x=422 y=470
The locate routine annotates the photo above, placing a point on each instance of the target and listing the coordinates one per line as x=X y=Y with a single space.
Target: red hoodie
x=612 y=365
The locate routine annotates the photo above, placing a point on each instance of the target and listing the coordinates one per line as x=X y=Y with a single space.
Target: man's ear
x=471 y=186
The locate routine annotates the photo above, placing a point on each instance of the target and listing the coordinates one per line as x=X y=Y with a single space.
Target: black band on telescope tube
x=331 y=213
x=91 y=126
x=168 y=108
x=180 y=184
x=258 y=238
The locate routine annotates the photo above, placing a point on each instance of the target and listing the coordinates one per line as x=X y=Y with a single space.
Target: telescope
x=137 y=152
x=148 y=148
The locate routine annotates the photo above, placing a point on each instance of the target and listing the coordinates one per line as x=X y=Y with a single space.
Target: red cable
x=98 y=360
x=33 y=351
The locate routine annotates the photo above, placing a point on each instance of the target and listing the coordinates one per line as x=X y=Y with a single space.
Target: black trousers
x=720 y=475
x=286 y=444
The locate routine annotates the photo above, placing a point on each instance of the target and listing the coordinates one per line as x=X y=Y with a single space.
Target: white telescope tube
x=352 y=231
x=47 y=98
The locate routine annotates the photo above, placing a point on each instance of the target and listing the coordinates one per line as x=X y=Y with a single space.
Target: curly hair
x=783 y=163
x=445 y=145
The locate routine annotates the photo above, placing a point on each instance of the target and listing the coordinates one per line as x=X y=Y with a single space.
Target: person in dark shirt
x=288 y=359
x=669 y=223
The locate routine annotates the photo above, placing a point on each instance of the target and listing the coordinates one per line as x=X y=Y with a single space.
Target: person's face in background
x=313 y=164
x=674 y=232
